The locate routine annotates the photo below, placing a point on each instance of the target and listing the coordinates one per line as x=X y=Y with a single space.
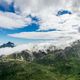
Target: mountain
x=59 y=64
x=40 y=51
x=27 y=51
x=9 y=44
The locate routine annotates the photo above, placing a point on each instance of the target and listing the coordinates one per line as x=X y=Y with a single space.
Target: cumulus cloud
x=67 y=25
x=45 y=10
x=11 y=20
x=37 y=6
x=65 y=22
x=40 y=5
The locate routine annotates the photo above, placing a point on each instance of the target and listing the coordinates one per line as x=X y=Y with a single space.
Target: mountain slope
x=60 y=64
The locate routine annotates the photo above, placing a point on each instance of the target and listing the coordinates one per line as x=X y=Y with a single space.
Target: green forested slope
x=56 y=65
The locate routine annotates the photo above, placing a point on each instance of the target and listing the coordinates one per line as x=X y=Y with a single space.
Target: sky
x=31 y=21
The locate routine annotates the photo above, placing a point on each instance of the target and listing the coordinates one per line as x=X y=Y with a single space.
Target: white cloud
x=11 y=20
x=68 y=25
x=58 y=36
x=44 y=9
x=9 y=1
x=65 y=22
x=37 y=6
x=31 y=47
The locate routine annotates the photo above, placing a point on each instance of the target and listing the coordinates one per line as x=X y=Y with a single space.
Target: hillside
x=59 y=64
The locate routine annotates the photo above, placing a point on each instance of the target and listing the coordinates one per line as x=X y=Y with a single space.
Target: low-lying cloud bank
x=33 y=47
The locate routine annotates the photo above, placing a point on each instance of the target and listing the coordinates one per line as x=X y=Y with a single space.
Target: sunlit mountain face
x=28 y=21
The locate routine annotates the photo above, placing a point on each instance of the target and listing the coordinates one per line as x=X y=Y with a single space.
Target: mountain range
x=59 y=64
x=31 y=52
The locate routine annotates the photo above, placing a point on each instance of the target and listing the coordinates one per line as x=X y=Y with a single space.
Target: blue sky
x=26 y=21
x=3 y=32
x=30 y=28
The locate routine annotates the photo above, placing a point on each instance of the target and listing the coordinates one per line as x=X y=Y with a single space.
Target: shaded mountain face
x=5 y=7
x=34 y=54
x=72 y=51
x=9 y=44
